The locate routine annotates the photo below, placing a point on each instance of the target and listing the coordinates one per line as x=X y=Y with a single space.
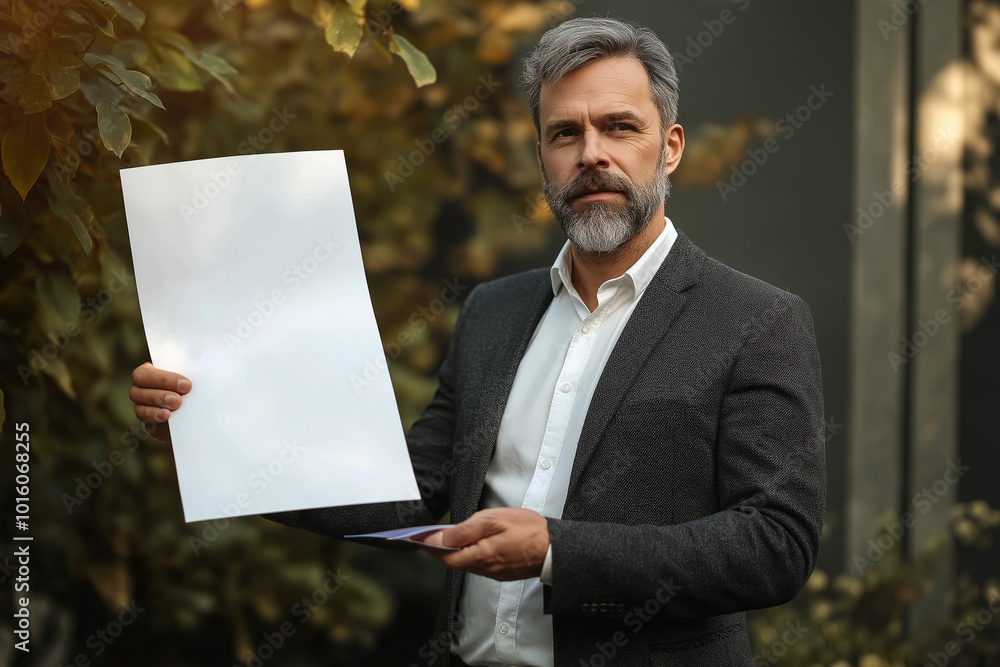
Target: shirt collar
x=638 y=276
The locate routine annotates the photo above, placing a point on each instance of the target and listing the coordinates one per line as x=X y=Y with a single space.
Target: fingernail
x=184 y=385
x=172 y=401
x=162 y=415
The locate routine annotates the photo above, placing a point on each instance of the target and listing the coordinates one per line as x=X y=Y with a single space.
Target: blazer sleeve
x=761 y=546
x=430 y=443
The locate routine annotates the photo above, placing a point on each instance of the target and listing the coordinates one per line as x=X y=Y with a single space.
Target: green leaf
x=132 y=51
x=176 y=70
x=114 y=126
x=25 y=151
x=77 y=18
x=76 y=43
x=145 y=119
x=343 y=28
x=420 y=67
x=103 y=8
x=99 y=87
x=58 y=300
x=140 y=84
x=178 y=42
x=12 y=43
x=72 y=208
x=137 y=82
x=99 y=14
x=218 y=68
x=95 y=59
x=34 y=93
x=107 y=28
x=13 y=220
x=129 y=12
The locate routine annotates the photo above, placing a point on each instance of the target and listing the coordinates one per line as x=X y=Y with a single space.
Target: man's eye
x=621 y=127
x=563 y=133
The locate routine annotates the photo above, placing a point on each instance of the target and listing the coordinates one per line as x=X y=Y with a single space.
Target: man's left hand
x=503 y=543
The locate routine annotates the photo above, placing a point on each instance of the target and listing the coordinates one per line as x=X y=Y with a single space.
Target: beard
x=601 y=227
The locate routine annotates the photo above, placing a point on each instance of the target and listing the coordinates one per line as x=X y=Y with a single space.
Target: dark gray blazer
x=698 y=487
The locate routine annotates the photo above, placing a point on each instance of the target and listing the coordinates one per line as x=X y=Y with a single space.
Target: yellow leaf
x=522 y=17
x=25 y=150
x=59 y=127
x=410 y=5
x=113 y=583
x=357 y=6
x=13 y=220
x=343 y=29
x=417 y=63
x=64 y=82
x=61 y=72
x=56 y=369
x=34 y=93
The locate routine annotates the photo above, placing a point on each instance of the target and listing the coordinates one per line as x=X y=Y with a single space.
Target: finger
x=157 y=398
x=472 y=558
x=432 y=539
x=460 y=535
x=152 y=415
x=149 y=377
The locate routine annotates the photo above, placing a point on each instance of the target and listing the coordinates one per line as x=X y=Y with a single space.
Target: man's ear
x=674 y=138
x=538 y=154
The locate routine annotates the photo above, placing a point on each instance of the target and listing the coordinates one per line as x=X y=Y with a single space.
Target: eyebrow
x=613 y=117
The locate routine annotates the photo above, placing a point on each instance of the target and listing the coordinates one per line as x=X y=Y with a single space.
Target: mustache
x=591 y=180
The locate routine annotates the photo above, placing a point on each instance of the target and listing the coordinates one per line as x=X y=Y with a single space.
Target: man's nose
x=593 y=151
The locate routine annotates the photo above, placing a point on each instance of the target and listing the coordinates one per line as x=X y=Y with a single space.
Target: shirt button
x=566 y=388
x=503 y=628
x=585 y=328
x=546 y=464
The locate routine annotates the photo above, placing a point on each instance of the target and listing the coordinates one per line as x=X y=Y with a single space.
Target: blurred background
x=844 y=151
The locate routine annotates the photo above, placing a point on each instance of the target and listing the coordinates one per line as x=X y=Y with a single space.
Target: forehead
x=620 y=82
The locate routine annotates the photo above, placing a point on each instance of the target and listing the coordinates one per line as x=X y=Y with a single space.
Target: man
x=630 y=442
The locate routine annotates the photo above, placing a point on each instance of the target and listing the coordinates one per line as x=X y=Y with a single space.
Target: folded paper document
x=414 y=535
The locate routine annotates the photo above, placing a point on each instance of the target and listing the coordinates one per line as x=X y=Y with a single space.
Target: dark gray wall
x=784 y=224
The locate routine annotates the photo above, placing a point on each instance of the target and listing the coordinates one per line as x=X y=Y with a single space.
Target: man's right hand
x=157 y=393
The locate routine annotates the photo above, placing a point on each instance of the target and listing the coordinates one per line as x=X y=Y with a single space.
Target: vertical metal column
x=878 y=231
x=937 y=184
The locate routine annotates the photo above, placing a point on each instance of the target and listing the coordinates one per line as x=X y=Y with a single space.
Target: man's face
x=605 y=158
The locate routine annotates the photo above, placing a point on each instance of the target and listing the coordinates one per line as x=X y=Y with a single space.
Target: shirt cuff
x=546 y=575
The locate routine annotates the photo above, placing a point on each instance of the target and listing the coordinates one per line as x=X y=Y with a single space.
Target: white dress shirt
x=502 y=623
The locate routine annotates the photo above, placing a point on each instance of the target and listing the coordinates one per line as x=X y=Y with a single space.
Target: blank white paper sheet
x=251 y=284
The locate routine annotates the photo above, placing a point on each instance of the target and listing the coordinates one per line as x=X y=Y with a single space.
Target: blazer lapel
x=506 y=347
x=650 y=322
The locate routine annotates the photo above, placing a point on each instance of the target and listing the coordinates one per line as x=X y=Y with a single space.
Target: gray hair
x=580 y=41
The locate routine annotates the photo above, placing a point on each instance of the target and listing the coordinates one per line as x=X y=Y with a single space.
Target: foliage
x=860 y=620
x=421 y=96
x=444 y=183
